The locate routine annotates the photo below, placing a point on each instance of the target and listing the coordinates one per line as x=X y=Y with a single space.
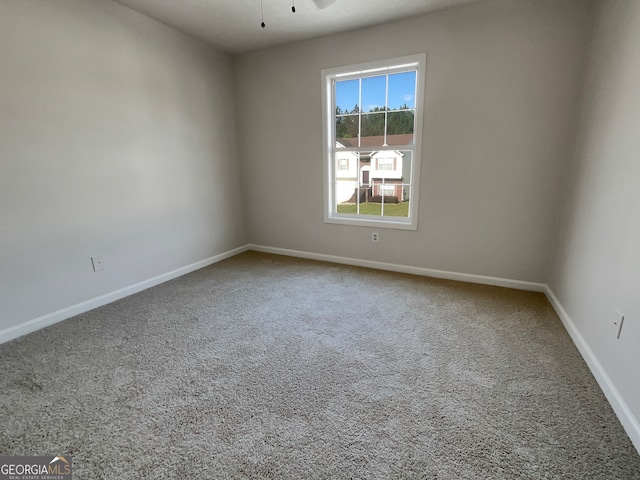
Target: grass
x=390 y=209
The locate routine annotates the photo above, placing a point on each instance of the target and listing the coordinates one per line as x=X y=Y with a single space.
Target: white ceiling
x=234 y=25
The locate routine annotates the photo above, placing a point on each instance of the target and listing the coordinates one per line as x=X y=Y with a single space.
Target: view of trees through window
x=398 y=122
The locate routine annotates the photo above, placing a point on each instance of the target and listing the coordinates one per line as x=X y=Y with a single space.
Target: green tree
x=372 y=124
x=400 y=121
x=347 y=124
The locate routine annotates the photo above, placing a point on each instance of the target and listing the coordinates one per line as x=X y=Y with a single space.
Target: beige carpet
x=271 y=367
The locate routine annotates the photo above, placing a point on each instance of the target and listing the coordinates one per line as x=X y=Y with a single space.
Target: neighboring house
x=386 y=174
x=383 y=171
x=347 y=167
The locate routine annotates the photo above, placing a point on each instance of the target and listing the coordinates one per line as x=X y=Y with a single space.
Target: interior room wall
x=117 y=138
x=499 y=108
x=597 y=267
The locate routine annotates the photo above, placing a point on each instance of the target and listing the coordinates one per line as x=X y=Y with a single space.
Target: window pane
x=347 y=96
x=392 y=179
x=370 y=208
x=372 y=130
x=345 y=196
x=386 y=165
x=400 y=127
x=402 y=90
x=346 y=181
x=401 y=207
x=346 y=165
x=347 y=130
x=388 y=190
x=407 y=162
x=374 y=91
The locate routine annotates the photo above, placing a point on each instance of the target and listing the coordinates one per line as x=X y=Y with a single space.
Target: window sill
x=371 y=221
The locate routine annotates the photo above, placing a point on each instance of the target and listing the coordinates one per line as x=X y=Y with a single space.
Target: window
x=387 y=190
x=373 y=112
x=386 y=164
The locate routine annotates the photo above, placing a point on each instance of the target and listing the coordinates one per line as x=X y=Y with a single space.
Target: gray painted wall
x=115 y=139
x=501 y=97
x=597 y=267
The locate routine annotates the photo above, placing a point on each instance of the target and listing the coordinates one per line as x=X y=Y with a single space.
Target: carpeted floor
x=271 y=367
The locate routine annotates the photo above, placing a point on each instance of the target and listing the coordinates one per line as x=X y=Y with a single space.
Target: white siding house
x=386 y=172
x=347 y=167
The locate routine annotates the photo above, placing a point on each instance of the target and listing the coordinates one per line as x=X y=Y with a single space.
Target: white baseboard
x=60 y=315
x=392 y=267
x=628 y=421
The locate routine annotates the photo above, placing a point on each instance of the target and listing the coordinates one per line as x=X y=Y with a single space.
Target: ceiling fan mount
x=321 y=4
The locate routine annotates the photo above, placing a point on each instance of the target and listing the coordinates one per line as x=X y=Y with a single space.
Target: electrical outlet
x=375 y=237
x=619 y=323
x=99 y=263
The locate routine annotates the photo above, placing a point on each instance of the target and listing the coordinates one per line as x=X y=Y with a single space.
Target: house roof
x=378 y=140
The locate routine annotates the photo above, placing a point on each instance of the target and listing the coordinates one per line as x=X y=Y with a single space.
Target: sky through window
x=401 y=94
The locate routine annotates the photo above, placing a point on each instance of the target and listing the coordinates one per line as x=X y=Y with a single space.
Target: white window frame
x=392 y=65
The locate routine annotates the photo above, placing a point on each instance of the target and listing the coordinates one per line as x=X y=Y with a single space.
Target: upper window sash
x=376 y=71
x=384 y=148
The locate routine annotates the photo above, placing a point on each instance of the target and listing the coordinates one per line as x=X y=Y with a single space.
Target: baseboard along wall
x=52 y=318
x=627 y=419
x=392 y=267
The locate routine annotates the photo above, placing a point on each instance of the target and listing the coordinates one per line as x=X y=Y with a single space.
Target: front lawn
x=390 y=209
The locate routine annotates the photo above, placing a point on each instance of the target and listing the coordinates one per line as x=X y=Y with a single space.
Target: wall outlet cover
x=99 y=263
